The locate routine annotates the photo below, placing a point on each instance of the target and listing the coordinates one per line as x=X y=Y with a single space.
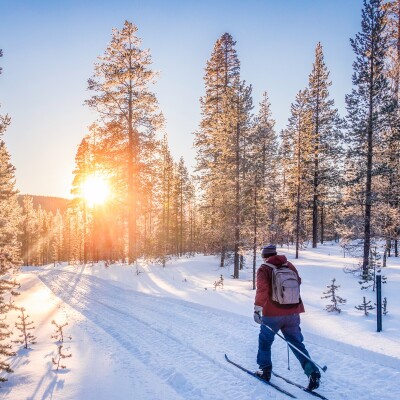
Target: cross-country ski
x=255 y=375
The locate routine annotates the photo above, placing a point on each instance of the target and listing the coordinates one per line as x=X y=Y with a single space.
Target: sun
x=95 y=189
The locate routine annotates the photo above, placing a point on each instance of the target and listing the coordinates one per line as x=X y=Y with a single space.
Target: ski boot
x=314 y=380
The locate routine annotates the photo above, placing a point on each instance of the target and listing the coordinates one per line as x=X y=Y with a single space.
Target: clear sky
x=50 y=47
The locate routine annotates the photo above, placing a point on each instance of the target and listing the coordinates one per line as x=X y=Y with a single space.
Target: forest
x=324 y=177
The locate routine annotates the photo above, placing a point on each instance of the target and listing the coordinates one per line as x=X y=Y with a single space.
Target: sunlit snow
x=148 y=332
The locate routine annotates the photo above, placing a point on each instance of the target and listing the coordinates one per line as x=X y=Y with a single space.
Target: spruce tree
x=367 y=106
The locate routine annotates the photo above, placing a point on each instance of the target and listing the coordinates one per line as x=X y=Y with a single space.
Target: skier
x=274 y=316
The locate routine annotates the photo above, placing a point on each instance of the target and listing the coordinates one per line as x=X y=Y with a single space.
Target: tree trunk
x=237 y=206
x=368 y=184
x=316 y=175
x=131 y=188
x=254 y=234
x=223 y=253
x=322 y=224
x=181 y=222
x=298 y=194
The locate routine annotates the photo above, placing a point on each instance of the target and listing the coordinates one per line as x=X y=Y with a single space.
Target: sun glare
x=95 y=190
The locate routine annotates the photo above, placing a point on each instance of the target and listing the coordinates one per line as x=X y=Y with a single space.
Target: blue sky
x=50 y=48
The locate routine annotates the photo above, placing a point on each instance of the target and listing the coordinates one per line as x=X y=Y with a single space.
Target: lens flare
x=95 y=190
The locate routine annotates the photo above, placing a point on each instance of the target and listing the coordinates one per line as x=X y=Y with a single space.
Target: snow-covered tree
x=9 y=245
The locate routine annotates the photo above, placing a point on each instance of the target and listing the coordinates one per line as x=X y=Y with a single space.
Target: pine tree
x=365 y=306
x=368 y=104
x=221 y=143
x=325 y=139
x=24 y=326
x=261 y=186
x=391 y=143
x=121 y=84
x=59 y=334
x=331 y=293
x=384 y=308
x=167 y=168
x=184 y=194
x=9 y=245
x=368 y=279
x=60 y=357
x=298 y=159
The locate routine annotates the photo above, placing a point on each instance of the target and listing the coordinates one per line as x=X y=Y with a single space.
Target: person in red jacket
x=273 y=317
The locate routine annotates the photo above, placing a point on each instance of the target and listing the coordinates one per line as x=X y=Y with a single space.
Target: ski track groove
x=186 y=342
x=165 y=358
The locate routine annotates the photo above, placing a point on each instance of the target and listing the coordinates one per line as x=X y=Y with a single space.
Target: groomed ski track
x=174 y=349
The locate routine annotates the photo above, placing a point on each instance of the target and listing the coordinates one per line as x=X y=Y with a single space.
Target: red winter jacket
x=264 y=288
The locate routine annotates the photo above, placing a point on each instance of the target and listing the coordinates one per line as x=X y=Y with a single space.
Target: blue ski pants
x=290 y=328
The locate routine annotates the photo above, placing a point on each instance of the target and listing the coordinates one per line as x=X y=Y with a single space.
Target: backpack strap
x=274 y=266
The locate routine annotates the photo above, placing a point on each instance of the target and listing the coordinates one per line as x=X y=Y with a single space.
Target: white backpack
x=285 y=285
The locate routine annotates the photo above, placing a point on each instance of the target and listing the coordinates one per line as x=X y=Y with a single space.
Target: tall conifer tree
x=121 y=82
x=391 y=145
x=9 y=244
x=220 y=143
x=261 y=185
x=325 y=125
x=299 y=159
x=367 y=105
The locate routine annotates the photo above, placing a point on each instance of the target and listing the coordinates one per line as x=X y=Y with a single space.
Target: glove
x=257 y=314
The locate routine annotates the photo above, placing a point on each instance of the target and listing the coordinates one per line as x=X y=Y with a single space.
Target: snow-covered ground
x=162 y=333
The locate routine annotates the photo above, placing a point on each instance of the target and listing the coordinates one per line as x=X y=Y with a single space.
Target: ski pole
x=324 y=368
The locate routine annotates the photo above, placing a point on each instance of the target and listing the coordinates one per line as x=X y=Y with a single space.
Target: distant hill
x=48 y=203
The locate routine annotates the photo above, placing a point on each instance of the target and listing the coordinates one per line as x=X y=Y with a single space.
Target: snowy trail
x=181 y=346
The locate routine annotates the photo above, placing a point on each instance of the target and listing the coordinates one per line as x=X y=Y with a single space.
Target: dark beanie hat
x=269 y=250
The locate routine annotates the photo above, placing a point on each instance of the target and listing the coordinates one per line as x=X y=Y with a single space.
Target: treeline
x=48 y=203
